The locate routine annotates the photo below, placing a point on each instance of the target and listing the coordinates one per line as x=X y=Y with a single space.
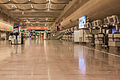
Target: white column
x=45 y=35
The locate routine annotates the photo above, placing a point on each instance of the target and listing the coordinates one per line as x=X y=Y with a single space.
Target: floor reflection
x=82 y=65
x=56 y=60
x=79 y=53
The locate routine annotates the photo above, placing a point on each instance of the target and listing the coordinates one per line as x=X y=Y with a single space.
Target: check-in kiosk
x=99 y=36
x=114 y=37
x=90 y=36
x=72 y=34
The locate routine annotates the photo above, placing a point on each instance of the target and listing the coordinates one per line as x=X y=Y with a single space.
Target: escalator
x=58 y=36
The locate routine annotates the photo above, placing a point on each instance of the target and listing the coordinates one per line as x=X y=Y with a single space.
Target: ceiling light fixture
x=32 y=6
x=49 y=5
x=45 y=24
x=15 y=6
x=29 y=0
x=23 y=12
x=37 y=22
x=27 y=21
x=46 y=19
x=12 y=6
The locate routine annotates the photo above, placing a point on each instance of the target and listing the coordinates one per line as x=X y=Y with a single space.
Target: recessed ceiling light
x=37 y=22
x=45 y=24
x=49 y=5
x=32 y=6
x=28 y=22
x=46 y=19
x=23 y=12
x=14 y=6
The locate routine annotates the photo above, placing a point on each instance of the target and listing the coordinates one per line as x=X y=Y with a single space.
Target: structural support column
x=0 y=34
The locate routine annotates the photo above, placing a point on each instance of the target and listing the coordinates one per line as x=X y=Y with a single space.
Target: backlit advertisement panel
x=82 y=22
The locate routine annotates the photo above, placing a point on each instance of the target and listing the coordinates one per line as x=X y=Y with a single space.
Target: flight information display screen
x=82 y=22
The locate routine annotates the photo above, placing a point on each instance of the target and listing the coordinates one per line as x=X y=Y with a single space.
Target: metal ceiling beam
x=50 y=19
x=33 y=3
x=40 y=21
x=29 y=2
x=35 y=16
x=34 y=10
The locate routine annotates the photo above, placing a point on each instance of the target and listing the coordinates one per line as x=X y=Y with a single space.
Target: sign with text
x=37 y=28
x=16 y=28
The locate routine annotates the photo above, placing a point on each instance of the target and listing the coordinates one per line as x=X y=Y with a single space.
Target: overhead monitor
x=82 y=22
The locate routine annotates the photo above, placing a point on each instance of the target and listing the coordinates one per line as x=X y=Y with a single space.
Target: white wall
x=95 y=9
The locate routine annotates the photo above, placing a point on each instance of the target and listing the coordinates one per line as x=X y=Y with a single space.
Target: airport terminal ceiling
x=34 y=12
x=48 y=12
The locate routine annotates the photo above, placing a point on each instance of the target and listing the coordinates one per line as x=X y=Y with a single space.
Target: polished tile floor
x=56 y=60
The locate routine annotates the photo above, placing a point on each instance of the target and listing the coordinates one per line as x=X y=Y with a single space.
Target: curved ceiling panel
x=8 y=6
x=57 y=6
x=46 y=19
x=39 y=1
x=34 y=10
x=60 y=1
x=3 y=1
x=40 y=6
x=20 y=1
x=41 y=19
x=35 y=14
x=22 y=18
x=24 y=6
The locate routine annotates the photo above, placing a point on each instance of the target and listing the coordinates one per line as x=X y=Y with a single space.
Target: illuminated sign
x=82 y=22
x=16 y=28
x=10 y=28
x=37 y=32
x=21 y=30
x=37 y=28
